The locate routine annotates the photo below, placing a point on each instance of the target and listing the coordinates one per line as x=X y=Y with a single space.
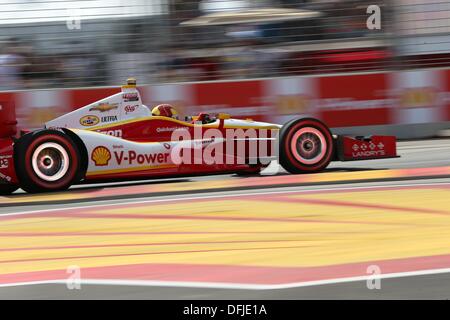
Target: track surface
x=298 y=242
x=418 y=287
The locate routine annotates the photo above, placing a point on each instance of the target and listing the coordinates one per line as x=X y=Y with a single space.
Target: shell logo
x=101 y=156
x=89 y=121
x=418 y=98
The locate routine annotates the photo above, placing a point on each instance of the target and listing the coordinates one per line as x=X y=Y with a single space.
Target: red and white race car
x=119 y=138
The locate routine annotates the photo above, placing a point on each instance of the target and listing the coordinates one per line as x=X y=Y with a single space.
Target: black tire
x=7 y=189
x=253 y=170
x=306 y=146
x=47 y=160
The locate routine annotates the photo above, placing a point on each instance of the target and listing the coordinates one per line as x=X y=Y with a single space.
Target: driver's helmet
x=165 y=110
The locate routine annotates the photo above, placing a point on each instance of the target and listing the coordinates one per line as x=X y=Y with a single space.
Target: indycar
x=119 y=139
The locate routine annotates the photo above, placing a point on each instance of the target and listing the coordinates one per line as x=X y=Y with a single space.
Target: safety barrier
x=406 y=103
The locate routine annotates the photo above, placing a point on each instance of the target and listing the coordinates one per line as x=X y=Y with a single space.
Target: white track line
x=431 y=146
x=233 y=286
x=101 y=204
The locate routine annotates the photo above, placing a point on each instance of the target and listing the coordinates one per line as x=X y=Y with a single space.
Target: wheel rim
x=50 y=161
x=308 y=145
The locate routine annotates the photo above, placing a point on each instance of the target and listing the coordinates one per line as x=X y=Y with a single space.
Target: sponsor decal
x=369 y=153
x=4 y=163
x=104 y=107
x=89 y=121
x=293 y=104
x=101 y=156
x=362 y=150
x=131 y=157
x=351 y=104
x=115 y=133
x=5 y=177
x=418 y=98
x=170 y=129
x=109 y=119
x=205 y=141
x=128 y=97
x=131 y=108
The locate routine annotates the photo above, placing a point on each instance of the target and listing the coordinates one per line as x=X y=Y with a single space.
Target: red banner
x=341 y=100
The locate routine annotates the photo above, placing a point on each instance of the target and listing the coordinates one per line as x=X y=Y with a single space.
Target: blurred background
x=55 y=44
x=268 y=60
x=60 y=43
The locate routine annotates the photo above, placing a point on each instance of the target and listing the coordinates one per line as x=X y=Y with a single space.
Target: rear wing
x=8 y=121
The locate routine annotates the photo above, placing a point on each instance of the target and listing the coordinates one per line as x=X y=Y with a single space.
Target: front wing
x=365 y=148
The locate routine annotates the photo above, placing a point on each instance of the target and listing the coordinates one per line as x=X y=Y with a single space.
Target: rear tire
x=306 y=146
x=47 y=160
x=7 y=189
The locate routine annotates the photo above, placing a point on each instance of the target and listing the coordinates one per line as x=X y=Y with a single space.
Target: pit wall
x=409 y=104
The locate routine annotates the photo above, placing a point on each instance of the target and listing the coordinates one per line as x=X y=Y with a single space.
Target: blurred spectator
x=78 y=68
x=12 y=64
x=161 y=49
x=238 y=62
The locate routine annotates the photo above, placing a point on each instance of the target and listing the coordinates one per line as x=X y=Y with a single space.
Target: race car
x=120 y=138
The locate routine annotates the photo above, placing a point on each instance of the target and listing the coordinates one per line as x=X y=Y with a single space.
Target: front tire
x=47 y=160
x=306 y=146
x=7 y=189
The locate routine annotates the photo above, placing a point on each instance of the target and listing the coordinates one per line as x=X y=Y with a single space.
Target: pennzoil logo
x=89 y=121
x=101 y=156
x=418 y=97
x=104 y=107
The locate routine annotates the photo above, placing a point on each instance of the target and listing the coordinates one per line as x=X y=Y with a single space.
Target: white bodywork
x=116 y=154
x=108 y=153
x=115 y=108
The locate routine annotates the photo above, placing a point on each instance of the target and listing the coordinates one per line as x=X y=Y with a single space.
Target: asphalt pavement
x=414 y=154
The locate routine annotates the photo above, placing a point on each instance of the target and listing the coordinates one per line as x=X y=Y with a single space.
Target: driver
x=165 y=110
